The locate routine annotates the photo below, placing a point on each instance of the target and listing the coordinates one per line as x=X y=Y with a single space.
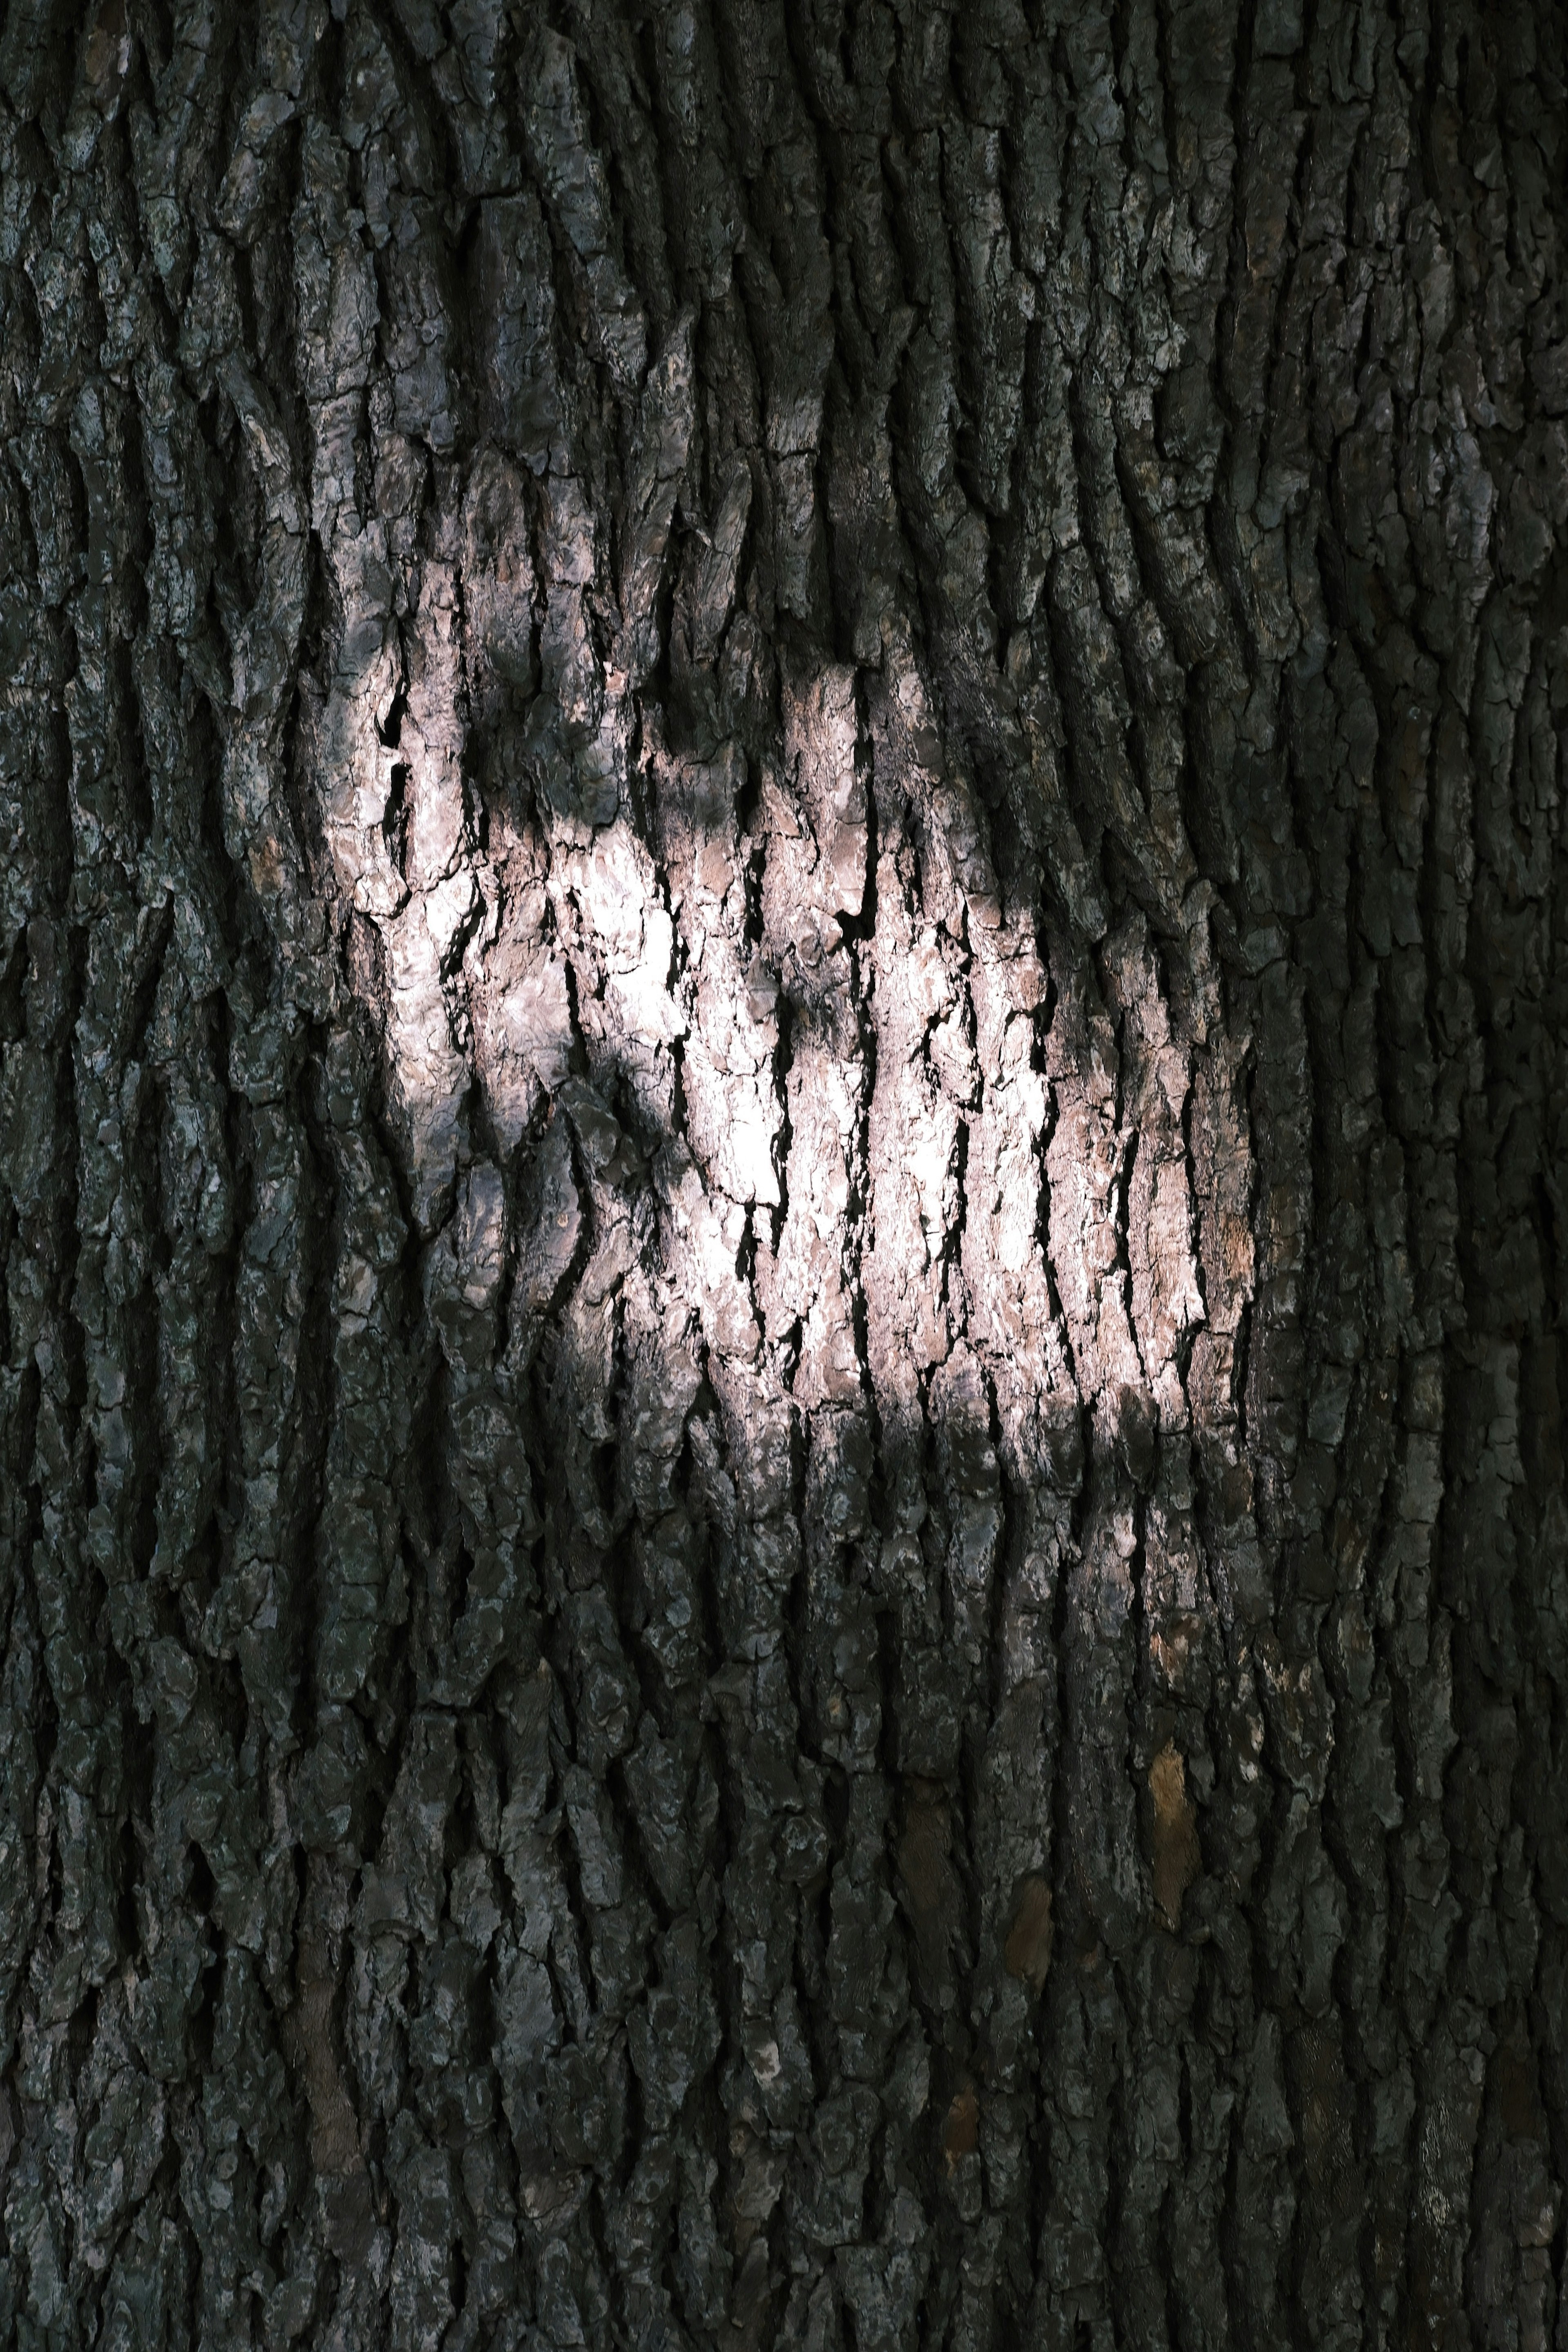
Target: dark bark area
x=782 y=1552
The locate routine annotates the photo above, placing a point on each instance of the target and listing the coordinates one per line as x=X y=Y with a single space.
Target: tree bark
x=784 y=1554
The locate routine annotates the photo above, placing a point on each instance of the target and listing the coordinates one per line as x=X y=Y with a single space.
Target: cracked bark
x=783 y=1553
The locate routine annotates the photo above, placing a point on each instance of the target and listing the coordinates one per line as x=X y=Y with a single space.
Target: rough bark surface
x=782 y=1554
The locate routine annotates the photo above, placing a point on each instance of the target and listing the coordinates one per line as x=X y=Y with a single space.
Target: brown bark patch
x=1323 y=2104
x=1026 y=1954
x=961 y=2132
x=311 y=2045
x=924 y=1852
x=1519 y=2102
x=1177 y=1861
x=106 y=55
x=932 y=1894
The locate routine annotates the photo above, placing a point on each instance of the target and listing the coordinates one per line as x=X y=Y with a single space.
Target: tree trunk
x=785 y=1096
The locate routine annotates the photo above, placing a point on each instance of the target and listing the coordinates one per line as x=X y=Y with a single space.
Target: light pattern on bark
x=781 y=1148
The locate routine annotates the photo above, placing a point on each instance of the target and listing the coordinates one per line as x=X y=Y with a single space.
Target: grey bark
x=782 y=1554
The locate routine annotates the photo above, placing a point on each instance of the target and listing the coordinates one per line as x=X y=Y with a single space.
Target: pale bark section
x=784 y=1554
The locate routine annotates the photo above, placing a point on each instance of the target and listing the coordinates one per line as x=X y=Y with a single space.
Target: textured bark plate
x=782 y=1551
